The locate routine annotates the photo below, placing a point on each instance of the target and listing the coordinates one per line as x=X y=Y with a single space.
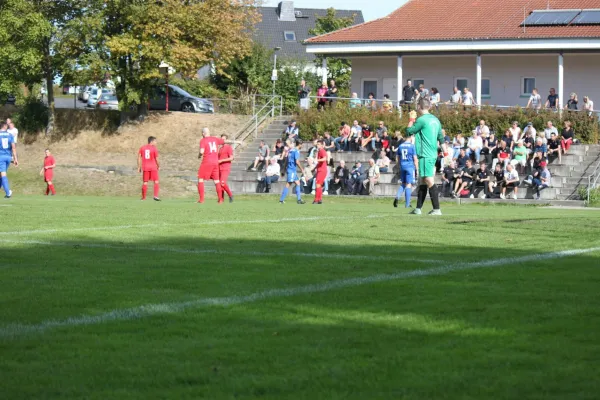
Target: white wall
x=504 y=71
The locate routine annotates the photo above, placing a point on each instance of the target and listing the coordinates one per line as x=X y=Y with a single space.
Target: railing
x=273 y=105
x=593 y=180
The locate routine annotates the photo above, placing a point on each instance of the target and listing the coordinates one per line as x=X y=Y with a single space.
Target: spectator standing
x=354 y=101
x=332 y=93
x=588 y=106
x=467 y=98
x=340 y=179
x=456 y=96
x=387 y=105
x=567 y=137
x=271 y=175
x=343 y=136
x=322 y=96
x=291 y=132
x=371 y=103
x=552 y=100
x=474 y=146
x=383 y=162
x=263 y=155
x=549 y=129
x=408 y=92
x=14 y=132
x=457 y=144
x=572 y=102
x=535 y=100
x=511 y=181
x=373 y=175
x=434 y=97
x=554 y=147
x=304 y=94
x=515 y=131
x=483 y=178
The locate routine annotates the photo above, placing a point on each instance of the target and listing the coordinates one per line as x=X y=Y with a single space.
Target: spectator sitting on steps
x=383 y=162
x=343 y=136
x=263 y=155
x=271 y=175
x=511 y=181
x=483 y=178
x=373 y=177
x=449 y=177
x=357 y=175
x=340 y=178
x=466 y=179
x=291 y=132
x=554 y=147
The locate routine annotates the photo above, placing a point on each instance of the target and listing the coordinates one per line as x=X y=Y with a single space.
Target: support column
x=478 y=93
x=561 y=81
x=324 y=71
x=400 y=83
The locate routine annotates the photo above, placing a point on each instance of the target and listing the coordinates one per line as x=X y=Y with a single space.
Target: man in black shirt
x=449 y=176
x=408 y=92
x=462 y=159
x=332 y=93
x=554 y=147
x=340 y=178
x=483 y=178
x=466 y=178
x=329 y=145
x=499 y=175
x=552 y=101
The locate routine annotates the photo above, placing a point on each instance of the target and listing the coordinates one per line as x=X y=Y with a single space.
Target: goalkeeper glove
x=412 y=116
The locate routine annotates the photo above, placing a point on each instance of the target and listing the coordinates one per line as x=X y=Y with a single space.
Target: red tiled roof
x=430 y=20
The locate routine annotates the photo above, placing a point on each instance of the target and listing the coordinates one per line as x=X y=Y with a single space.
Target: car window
x=110 y=97
x=179 y=91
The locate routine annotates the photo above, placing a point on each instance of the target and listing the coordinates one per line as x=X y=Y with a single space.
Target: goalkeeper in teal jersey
x=427 y=130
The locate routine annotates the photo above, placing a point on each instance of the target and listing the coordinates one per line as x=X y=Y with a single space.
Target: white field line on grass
x=127 y=314
x=337 y=256
x=205 y=223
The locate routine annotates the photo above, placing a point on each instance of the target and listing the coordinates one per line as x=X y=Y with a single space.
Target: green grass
x=519 y=330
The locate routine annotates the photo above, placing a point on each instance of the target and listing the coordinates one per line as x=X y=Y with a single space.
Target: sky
x=371 y=9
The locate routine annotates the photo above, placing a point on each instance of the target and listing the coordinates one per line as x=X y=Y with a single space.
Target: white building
x=501 y=50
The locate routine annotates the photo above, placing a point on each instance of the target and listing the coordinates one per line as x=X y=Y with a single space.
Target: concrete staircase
x=566 y=176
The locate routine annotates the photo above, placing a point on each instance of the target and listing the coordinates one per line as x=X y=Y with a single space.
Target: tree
x=337 y=68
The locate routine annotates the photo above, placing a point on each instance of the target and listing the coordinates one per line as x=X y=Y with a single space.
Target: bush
x=594 y=196
x=312 y=122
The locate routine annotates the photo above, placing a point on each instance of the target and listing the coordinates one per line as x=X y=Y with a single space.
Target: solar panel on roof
x=550 y=17
x=587 y=17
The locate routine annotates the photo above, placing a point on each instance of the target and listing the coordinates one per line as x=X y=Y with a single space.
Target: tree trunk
x=50 y=94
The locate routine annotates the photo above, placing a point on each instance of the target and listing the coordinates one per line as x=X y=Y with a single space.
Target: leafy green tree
x=337 y=68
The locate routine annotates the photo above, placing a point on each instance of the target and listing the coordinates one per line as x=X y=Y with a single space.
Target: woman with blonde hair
x=572 y=102
x=567 y=137
x=588 y=105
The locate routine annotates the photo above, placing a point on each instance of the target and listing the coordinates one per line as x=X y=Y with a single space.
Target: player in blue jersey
x=8 y=154
x=409 y=164
x=293 y=165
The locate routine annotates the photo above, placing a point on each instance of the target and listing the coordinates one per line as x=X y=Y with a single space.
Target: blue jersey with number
x=6 y=141
x=406 y=154
x=293 y=156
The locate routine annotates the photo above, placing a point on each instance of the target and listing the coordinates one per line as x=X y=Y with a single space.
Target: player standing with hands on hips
x=8 y=154
x=427 y=130
x=148 y=165
x=209 y=167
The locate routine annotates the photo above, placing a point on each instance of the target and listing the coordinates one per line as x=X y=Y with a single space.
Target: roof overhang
x=454 y=46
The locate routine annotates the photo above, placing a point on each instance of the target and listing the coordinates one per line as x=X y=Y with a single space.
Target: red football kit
x=149 y=155
x=321 y=174
x=209 y=169
x=48 y=172
x=225 y=168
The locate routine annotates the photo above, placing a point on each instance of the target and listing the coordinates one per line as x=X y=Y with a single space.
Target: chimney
x=286 y=11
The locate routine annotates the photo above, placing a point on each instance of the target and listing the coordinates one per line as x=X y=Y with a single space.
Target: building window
x=369 y=86
x=527 y=85
x=461 y=83
x=485 y=87
x=289 y=36
x=418 y=82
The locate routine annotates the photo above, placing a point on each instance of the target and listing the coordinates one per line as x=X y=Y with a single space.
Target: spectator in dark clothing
x=483 y=178
x=408 y=92
x=554 y=147
x=340 y=179
x=572 y=102
x=466 y=178
x=567 y=137
x=508 y=139
x=357 y=176
x=461 y=161
x=332 y=93
x=449 y=177
x=278 y=152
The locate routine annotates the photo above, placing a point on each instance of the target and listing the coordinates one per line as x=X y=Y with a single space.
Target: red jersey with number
x=48 y=161
x=149 y=155
x=225 y=152
x=322 y=165
x=211 y=144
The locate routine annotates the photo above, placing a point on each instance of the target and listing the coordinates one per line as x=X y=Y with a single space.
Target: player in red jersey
x=209 y=167
x=148 y=165
x=225 y=159
x=321 y=171
x=48 y=172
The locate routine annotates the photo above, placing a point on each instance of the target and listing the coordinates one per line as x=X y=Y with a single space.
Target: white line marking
x=206 y=223
x=223 y=252
x=6 y=205
x=147 y=310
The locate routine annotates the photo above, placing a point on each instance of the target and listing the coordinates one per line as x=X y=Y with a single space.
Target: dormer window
x=289 y=36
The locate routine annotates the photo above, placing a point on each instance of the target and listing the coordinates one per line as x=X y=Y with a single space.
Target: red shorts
x=385 y=143
x=150 y=176
x=48 y=175
x=224 y=174
x=209 y=172
x=321 y=177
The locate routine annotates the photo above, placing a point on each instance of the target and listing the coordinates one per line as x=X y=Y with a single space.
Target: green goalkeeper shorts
x=427 y=167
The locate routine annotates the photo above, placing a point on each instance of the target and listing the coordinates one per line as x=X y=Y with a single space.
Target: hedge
x=312 y=122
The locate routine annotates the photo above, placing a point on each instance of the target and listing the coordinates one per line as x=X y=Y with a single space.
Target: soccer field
x=113 y=298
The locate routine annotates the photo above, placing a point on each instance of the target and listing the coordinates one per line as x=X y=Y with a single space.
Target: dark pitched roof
x=464 y=20
x=269 y=31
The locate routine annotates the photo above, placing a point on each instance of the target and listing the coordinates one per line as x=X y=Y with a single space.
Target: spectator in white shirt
x=529 y=128
x=373 y=177
x=511 y=181
x=588 y=105
x=272 y=174
x=467 y=98
x=474 y=145
x=355 y=135
x=434 y=97
x=482 y=129
x=383 y=162
x=12 y=130
x=549 y=130
x=535 y=100
x=457 y=144
x=455 y=98
x=515 y=130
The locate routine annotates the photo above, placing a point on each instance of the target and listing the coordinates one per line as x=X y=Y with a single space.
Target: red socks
x=156 y=189
x=51 y=187
x=201 y=191
x=219 y=191
x=319 y=194
x=47 y=190
x=227 y=190
x=144 y=191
